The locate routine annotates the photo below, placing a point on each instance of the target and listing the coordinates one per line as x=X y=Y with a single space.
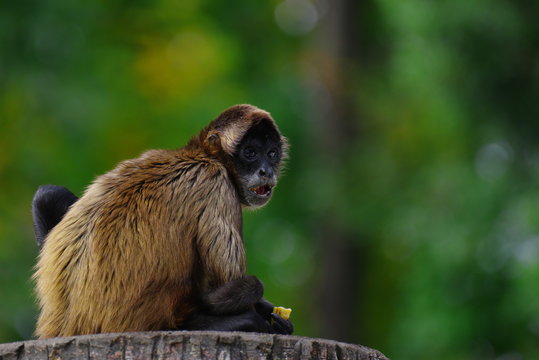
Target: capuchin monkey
x=156 y=243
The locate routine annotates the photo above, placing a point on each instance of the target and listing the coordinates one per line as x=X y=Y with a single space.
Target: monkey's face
x=257 y=160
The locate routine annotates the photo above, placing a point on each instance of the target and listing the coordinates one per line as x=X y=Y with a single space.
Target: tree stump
x=186 y=345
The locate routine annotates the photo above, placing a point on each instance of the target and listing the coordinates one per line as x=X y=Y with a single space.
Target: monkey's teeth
x=263 y=190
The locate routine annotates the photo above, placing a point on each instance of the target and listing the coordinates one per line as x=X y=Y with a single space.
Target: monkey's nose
x=265 y=172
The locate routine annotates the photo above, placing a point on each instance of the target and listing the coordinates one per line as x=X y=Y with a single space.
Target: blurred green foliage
x=440 y=186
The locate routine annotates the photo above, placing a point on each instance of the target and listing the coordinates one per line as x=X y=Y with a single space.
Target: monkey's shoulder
x=169 y=163
x=181 y=170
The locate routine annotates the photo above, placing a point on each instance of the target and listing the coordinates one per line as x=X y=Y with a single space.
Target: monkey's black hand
x=264 y=308
x=280 y=325
x=277 y=324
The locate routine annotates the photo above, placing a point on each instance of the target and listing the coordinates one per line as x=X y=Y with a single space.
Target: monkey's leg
x=49 y=206
x=238 y=306
x=249 y=321
x=234 y=297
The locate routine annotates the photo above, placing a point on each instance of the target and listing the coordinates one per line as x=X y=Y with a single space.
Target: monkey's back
x=131 y=263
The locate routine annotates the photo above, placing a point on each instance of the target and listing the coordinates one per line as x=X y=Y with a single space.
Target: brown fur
x=147 y=239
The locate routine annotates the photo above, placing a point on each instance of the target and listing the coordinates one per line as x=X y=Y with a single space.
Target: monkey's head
x=249 y=143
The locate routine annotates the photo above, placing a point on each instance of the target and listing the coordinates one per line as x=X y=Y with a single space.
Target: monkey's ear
x=212 y=142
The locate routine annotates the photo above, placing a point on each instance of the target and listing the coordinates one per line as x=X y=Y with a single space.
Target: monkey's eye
x=272 y=154
x=249 y=153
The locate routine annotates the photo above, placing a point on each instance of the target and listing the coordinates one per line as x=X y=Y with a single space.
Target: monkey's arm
x=219 y=236
x=227 y=290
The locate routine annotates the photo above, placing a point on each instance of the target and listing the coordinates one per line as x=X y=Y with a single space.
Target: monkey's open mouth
x=263 y=190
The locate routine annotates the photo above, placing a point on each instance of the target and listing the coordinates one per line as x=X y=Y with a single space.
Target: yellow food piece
x=282 y=312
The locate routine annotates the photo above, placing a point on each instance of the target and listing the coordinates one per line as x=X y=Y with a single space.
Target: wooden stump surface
x=186 y=345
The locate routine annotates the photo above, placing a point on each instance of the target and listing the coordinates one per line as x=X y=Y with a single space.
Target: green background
x=408 y=217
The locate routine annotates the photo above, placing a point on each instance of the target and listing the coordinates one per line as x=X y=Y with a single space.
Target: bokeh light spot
x=493 y=160
x=296 y=17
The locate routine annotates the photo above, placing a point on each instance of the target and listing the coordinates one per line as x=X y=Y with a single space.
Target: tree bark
x=185 y=345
